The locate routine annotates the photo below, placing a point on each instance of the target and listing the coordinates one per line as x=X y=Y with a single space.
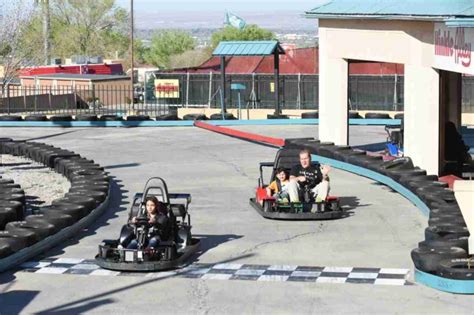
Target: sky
x=221 y=5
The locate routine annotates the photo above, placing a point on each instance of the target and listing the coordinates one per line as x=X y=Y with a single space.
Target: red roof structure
x=296 y=60
x=102 y=69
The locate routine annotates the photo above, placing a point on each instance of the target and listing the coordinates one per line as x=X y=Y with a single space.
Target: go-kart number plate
x=129 y=256
x=140 y=255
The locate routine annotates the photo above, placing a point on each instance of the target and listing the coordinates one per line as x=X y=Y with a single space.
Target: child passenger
x=279 y=187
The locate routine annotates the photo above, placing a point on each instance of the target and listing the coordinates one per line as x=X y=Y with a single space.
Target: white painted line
x=85 y=267
x=52 y=270
x=71 y=261
x=337 y=269
x=363 y=275
x=299 y=273
x=278 y=278
x=390 y=281
x=103 y=272
x=163 y=274
x=228 y=266
x=216 y=276
x=249 y=272
x=282 y=267
x=330 y=280
x=35 y=264
x=198 y=271
x=395 y=271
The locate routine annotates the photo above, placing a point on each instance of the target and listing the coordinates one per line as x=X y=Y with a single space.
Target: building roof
x=79 y=77
x=248 y=48
x=394 y=9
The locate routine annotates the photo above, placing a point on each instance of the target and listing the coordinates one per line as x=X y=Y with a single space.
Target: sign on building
x=167 y=88
x=454 y=48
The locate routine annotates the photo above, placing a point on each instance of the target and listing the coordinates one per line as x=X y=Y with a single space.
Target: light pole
x=46 y=30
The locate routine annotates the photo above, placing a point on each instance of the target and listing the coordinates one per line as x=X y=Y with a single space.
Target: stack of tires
x=444 y=252
x=89 y=189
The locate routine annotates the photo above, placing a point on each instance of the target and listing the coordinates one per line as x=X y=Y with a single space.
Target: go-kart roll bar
x=262 y=165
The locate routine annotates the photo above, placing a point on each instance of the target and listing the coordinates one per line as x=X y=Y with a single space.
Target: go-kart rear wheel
x=267 y=206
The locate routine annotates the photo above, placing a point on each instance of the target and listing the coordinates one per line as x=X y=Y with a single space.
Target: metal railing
x=203 y=90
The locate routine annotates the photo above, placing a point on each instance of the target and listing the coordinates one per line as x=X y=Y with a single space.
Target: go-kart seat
x=178 y=210
x=286 y=158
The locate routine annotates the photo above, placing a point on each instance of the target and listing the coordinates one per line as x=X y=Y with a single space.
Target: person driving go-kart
x=308 y=181
x=156 y=224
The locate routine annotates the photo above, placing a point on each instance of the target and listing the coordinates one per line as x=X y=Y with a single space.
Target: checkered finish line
x=232 y=271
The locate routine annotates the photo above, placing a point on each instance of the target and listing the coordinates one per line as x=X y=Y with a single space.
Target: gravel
x=41 y=184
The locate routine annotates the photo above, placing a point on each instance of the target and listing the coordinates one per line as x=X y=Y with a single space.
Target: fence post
x=210 y=90
x=187 y=89
x=395 y=92
x=253 y=91
x=8 y=98
x=298 y=100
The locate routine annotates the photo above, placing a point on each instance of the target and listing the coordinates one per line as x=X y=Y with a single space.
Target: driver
x=158 y=223
x=308 y=178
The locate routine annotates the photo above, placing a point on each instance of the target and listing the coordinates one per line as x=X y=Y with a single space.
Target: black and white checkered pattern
x=232 y=271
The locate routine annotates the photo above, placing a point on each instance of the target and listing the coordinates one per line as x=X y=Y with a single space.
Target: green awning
x=248 y=48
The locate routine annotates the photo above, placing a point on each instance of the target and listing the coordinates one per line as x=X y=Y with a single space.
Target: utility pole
x=46 y=30
x=131 y=48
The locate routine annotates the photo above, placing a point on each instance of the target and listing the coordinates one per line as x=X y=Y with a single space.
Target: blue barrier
x=444 y=284
x=181 y=123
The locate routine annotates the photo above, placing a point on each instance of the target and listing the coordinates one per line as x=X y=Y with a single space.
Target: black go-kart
x=168 y=254
x=271 y=208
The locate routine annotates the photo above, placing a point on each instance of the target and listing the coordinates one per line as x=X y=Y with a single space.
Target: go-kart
x=169 y=253
x=308 y=209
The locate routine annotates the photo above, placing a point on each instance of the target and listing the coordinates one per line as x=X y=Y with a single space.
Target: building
x=435 y=45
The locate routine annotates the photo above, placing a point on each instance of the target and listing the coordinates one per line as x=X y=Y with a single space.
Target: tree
x=84 y=27
x=165 y=44
x=250 y=32
x=190 y=58
x=46 y=29
x=15 y=52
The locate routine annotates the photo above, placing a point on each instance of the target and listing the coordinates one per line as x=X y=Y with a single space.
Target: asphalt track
x=221 y=174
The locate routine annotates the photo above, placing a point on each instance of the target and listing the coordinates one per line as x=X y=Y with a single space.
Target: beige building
x=434 y=42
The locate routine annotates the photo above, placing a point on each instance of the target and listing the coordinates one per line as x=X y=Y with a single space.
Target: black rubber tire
x=280 y=116
x=6 y=187
x=41 y=220
x=5 y=249
x=439 y=231
x=101 y=188
x=402 y=163
x=16 y=205
x=445 y=210
x=13 y=197
x=76 y=212
x=331 y=151
x=354 y=115
x=447 y=219
x=194 y=117
x=443 y=242
x=6 y=181
x=310 y=115
x=218 y=116
x=111 y=118
x=41 y=230
x=398 y=174
x=11 y=118
x=36 y=118
x=59 y=219
x=353 y=155
x=97 y=195
x=457 y=268
x=28 y=236
x=7 y=215
x=15 y=243
x=88 y=202
x=377 y=116
x=61 y=118
x=85 y=117
x=138 y=117
x=167 y=117
x=399 y=116
x=428 y=259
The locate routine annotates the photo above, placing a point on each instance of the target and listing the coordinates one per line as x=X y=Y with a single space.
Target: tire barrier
x=442 y=257
x=23 y=237
x=377 y=116
x=195 y=117
x=309 y=115
x=219 y=116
